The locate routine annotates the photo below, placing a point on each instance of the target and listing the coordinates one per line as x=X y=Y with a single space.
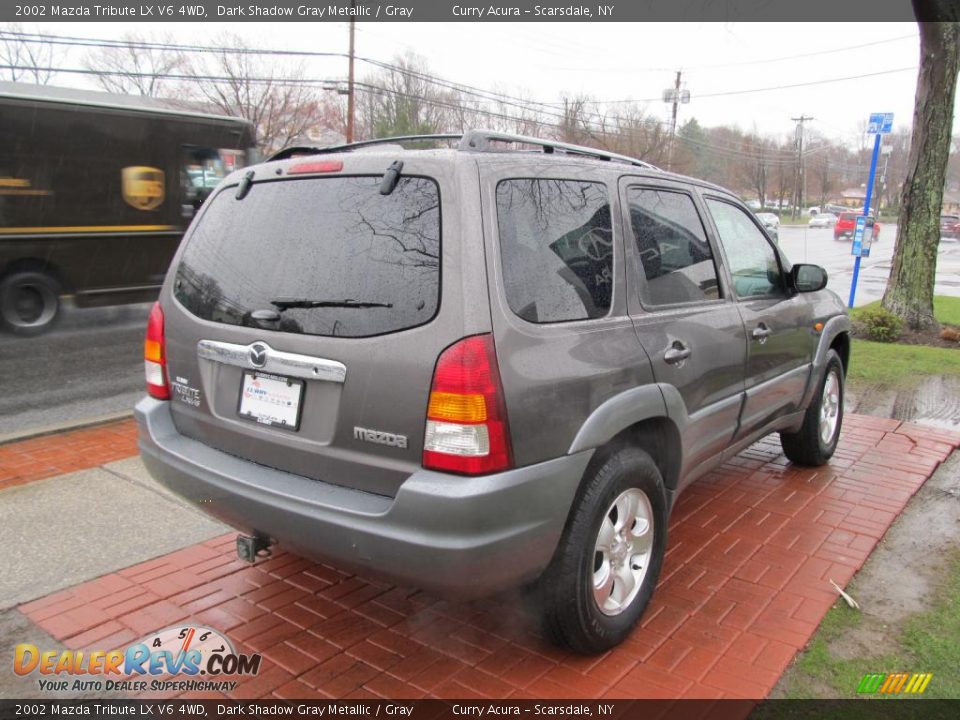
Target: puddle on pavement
x=936 y=402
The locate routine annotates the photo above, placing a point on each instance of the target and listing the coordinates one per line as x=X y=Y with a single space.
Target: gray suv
x=479 y=367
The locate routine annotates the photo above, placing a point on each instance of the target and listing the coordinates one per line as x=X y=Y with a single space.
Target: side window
x=202 y=169
x=556 y=246
x=673 y=248
x=752 y=260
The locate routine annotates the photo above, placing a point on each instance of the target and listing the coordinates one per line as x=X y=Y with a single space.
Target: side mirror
x=808 y=278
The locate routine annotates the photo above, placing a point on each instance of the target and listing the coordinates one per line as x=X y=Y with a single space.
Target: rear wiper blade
x=288 y=303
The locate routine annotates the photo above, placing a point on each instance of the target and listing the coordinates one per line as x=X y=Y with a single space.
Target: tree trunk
x=909 y=291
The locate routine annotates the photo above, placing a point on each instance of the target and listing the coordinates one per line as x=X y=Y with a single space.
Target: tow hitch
x=250 y=549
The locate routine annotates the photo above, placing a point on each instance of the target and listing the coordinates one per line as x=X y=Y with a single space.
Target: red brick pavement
x=752 y=549
x=49 y=455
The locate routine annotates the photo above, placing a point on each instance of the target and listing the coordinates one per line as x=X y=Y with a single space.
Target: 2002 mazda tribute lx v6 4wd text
x=482 y=366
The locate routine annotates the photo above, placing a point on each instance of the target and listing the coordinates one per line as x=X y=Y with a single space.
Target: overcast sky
x=620 y=61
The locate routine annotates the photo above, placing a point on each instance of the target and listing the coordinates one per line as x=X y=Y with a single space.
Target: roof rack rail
x=480 y=140
x=290 y=152
x=472 y=141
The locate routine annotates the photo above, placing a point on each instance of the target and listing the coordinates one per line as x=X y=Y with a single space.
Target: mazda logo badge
x=258 y=355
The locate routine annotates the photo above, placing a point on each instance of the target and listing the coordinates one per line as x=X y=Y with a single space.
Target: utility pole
x=350 y=88
x=798 y=185
x=675 y=96
x=673 y=121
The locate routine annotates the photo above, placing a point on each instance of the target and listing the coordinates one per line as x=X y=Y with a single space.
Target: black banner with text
x=461 y=11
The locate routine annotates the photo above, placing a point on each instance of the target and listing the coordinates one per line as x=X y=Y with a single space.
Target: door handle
x=677 y=354
x=761 y=333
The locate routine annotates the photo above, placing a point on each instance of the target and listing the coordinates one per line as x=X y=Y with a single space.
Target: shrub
x=879 y=325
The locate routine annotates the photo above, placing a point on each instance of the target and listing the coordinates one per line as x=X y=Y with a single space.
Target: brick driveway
x=752 y=549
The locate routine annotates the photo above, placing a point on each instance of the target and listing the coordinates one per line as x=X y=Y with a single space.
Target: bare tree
x=284 y=106
x=909 y=291
x=518 y=115
x=401 y=99
x=574 y=125
x=633 y=131
x=786 y=172
x=136 y=67
x=26 y=59
x=756 y=170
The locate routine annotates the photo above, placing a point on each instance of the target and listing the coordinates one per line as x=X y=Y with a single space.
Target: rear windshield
x=329 y=256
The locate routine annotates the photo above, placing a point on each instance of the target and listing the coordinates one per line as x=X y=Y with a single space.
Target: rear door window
x=556 y=245
x=674 y=252
x=330 y=256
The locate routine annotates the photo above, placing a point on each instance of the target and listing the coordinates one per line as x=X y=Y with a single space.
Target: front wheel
x=29 y=302
x=605 y=569
x=817 y=438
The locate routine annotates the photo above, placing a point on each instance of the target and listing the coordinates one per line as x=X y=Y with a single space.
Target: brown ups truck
x=95 y=193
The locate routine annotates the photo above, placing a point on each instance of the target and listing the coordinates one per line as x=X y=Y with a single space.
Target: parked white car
x=769 y=219
x=823 y=220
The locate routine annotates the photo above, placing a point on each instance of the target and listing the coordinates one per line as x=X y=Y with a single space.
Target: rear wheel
x=606 y=567
x=29 y=301
x=817 y=438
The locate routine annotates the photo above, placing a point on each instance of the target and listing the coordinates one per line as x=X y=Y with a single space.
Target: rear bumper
x=445 y=533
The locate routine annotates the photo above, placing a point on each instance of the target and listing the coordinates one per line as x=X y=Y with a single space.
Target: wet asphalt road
x=91 y=365
x=803 y=245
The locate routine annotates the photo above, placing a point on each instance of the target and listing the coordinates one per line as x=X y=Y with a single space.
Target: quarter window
x=556 y=245
x=752 y=260
x=677 y=262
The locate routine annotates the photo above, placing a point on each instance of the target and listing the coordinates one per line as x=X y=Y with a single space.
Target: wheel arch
x=35 y=264
x=639 y=418
x=835 y=336
x=841 y=343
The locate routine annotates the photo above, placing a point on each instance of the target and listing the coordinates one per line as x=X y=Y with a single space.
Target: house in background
x=851 y=198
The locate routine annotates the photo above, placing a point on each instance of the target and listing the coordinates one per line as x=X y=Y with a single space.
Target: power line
x=728 y=93
x=73 y=41
x=771 y=156
x=597 y=119
x=310 y=82
x=90 y=42
x=800 y=56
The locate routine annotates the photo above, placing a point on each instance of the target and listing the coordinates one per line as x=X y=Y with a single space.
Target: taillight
x=467 y=428
x=154 y=356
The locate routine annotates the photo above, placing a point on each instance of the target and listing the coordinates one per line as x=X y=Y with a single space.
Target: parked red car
x=950 y=226
x=847 y=225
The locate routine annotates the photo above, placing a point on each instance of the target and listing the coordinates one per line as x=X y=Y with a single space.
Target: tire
x=816 y=441
x=29 y=302
x=572 y=613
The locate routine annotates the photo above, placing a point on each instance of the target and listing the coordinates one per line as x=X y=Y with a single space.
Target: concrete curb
x=65 y=427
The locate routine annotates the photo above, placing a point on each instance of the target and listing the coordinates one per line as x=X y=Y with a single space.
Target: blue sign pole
x=856 y=249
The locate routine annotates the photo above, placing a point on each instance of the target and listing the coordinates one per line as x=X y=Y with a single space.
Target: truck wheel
x=607 y=564
x=817 y=438
x=29 y=302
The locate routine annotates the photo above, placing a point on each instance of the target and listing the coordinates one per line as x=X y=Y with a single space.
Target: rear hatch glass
x=321 y=256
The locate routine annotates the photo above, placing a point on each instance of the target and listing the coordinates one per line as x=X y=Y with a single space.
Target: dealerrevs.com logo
x=196 y=657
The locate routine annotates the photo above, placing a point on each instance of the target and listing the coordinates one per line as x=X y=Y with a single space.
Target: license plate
x=271 y=400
